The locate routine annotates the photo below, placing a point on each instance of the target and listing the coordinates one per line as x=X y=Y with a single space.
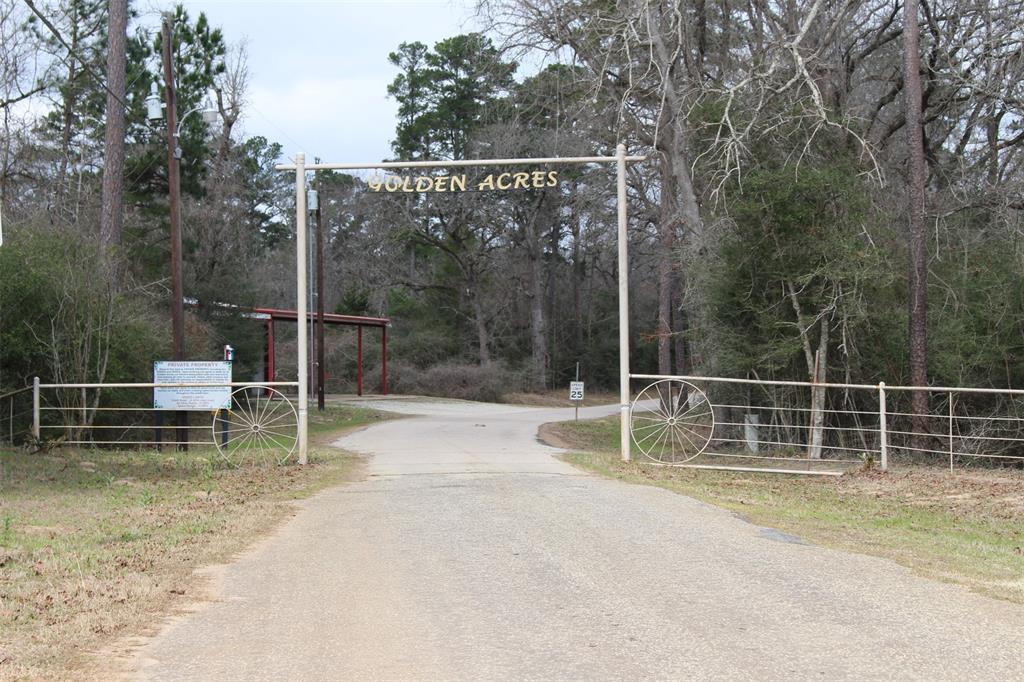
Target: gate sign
x=576 y=390
x=191 y=397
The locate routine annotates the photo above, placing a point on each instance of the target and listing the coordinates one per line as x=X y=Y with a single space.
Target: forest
x=770 y=228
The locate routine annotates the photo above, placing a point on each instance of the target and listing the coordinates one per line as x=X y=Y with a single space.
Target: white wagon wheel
x=671 y=421
x=259 y=429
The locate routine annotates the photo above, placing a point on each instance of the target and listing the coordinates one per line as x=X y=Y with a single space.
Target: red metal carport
x=272 y=314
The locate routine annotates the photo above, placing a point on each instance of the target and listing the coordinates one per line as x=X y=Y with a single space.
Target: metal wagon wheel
x=259 y=429
x=671 y=421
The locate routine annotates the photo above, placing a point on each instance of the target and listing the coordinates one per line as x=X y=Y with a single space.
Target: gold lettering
x=522 y=181
x=458 y=181
x=424 y=183
x=375 y=183
x=486 y=183
x=406 y=187
x=441 y=183
x=552 y=178
x=538 y=179
x=392 y=183
x=502 y=185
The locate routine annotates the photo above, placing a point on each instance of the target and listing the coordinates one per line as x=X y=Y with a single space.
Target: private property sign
x=191 y=397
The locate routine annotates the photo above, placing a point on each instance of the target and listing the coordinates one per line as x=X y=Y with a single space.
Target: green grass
x=966 y=527
x=97 y=544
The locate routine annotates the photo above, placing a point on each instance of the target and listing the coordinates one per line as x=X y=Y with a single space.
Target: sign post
x=576 y=391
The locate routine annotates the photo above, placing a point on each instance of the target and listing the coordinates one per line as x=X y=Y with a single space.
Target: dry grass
x=966 y=527
x=97 y=545
x=559 y=398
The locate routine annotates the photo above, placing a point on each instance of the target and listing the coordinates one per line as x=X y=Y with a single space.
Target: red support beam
x=384 y=360
x=268 y=370
x=359 y=360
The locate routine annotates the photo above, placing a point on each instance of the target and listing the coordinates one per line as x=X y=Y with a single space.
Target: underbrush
x=485 y=383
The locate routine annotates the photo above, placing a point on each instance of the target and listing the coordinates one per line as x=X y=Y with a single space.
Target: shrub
x=487 y=383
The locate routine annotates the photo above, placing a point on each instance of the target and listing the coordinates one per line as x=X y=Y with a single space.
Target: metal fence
x=822 y=428
x=15 y=416
x=259 y=423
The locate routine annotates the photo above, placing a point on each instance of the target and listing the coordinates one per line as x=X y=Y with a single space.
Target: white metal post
x=882 y=435
x=620 y=158
x=300 y=303
x=35 y=408
x=950 y=432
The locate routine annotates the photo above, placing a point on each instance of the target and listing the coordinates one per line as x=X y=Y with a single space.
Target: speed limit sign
x=576 y=390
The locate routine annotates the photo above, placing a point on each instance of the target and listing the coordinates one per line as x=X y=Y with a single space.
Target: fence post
x=35 y=408
x=950 y=432
x=883 y=436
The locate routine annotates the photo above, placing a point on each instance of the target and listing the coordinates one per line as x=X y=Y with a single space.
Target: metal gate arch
x=620 y=160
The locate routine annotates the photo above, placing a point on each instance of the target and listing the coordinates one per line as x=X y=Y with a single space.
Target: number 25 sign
x=576 y=390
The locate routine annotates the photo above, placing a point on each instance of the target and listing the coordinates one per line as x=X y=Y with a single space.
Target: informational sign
x=191 y=397
x=576 y=391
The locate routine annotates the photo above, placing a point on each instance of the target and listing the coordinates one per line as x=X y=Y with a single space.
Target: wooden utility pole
x=320 y=373
x=918 y=251
x=112 y=211
x=174 y=198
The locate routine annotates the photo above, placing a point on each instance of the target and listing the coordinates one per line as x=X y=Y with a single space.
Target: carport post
x=620 y=163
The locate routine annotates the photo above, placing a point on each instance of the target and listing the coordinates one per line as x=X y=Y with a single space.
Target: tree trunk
x=483 y=337
x=112 y=215
x=538 y=327
x=67 y=121
x=917 y=239
x=667 y=218
x=819 y=376
x=577 y=282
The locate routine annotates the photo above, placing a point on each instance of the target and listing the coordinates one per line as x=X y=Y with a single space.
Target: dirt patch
x=550 y=434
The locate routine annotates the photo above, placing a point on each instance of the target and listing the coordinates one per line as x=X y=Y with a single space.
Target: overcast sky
x=319 y=70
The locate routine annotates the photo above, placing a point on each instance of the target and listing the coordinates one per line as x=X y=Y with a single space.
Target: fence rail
x=822 y=425
x=257 y=418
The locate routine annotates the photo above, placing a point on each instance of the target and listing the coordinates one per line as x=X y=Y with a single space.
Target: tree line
x=770 y=229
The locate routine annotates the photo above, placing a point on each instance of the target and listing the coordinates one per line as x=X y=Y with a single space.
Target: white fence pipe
x=35 y=408
x=459 y=163
x=869 y=387
x=233 y=384
x=300 y=303
x=950 y=433
x=883 y=437
x=623 y=236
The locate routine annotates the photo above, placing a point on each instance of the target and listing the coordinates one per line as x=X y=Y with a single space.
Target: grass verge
x=966 y=527
x=96 y=545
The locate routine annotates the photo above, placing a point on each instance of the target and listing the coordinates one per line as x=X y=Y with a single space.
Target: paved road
x=470 y=553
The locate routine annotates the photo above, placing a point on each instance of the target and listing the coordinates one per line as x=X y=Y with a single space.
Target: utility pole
x=174 y=197
x=320 y=373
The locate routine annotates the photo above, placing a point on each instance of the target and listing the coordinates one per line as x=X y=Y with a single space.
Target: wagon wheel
x=257 y=430
x=671 y=421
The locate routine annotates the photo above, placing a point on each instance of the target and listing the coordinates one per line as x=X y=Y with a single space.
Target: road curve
x=469 y=552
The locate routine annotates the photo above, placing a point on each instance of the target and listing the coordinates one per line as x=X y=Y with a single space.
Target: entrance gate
x=620 y=160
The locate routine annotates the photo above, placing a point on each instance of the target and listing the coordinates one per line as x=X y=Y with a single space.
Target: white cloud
x=338 y=119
